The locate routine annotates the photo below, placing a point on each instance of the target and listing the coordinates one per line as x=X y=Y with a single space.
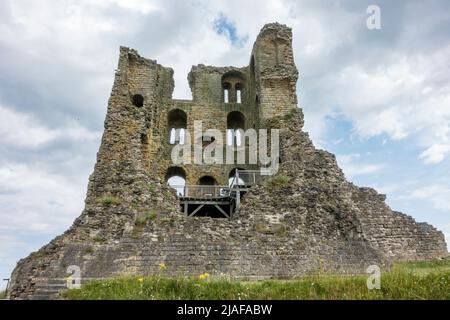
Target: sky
x=378 y=99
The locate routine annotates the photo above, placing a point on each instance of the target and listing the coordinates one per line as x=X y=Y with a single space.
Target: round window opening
x=138 y=100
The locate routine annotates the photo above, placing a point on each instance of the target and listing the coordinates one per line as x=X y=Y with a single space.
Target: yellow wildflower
x=204 y=276
x=140 y=280
x=162 y=266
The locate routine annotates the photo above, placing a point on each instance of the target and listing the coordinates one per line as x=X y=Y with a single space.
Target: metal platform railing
x=245 y=178
x=202 y=191
x=241 y=179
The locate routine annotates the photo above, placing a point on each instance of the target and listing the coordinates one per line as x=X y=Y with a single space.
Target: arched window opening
x=207 y=181
x=207 y=187
x=235 y=128
x=233 y=85
x=176 y=178
x=233 y=180
x=138 y=100
x=177 y=124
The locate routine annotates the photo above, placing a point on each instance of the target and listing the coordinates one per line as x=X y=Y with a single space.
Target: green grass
x=99 y=238
x=420 y=280
x=278 y=181
x=141 y=221
x=2 y=294
x=423 y=267
x=151 y=187
x=109 y=200
x=148 y=216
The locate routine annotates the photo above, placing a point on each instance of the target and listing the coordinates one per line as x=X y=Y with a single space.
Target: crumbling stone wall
x=268 y=89
x=304 y=219
x=397 y=235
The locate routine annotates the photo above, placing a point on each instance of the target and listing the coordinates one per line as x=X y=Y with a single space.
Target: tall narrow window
x=235 y=127
x=238 y=88
x=238 y=137
x=230 y=137
x=177 y=136
x=182 y=135
x=172 y=138
x=234 y=137
x=226 y=92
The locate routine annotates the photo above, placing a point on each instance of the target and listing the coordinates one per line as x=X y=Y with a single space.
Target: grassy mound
x=418 y=280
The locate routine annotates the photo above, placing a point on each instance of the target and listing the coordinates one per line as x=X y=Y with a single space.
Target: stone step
x=48 y=288
x=43 y=297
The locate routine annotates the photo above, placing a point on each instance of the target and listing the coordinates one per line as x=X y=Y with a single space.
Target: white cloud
x=399 y=99
x=143 y=6
x=17 y=129
x=435 y=154
x=396 y=88
x=7 y=242
x=446 y=231
x=437 y=195
x=351 y=168
x=21 y=130
x=37 y=201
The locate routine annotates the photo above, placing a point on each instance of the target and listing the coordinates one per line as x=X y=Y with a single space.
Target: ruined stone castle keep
x=305 y=218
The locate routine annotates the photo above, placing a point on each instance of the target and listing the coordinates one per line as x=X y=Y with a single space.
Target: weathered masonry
x=305 y=218
x=229 y=99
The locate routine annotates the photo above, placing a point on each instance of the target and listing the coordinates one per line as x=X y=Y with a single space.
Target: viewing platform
x=214 y=200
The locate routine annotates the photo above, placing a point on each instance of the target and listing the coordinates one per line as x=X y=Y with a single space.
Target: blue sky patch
x=225 y=27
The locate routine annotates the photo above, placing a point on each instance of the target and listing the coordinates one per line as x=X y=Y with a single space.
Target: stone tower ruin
x=305 y=218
